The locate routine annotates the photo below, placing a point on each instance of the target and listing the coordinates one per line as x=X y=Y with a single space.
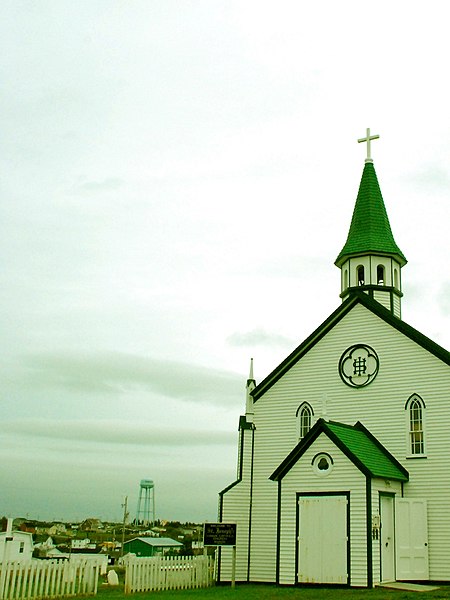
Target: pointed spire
x=250 y=376
x=370 y=260
x=370 y=231
x=251 y=384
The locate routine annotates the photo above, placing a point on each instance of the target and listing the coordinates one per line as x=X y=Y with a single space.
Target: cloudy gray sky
x=177 y=178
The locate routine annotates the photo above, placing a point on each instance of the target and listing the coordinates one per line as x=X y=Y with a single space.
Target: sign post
x=222 y=534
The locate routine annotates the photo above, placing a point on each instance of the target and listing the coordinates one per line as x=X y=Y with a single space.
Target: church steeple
x=370 y=260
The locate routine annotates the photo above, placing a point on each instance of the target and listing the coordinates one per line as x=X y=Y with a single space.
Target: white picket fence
x=167 y=573
x=47 y=579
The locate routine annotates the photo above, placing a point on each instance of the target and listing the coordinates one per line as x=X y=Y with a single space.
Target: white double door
x=323 y=539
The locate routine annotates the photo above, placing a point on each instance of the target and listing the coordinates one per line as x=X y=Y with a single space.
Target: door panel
x=322 y=551
x=412 y=539
x=387 y=538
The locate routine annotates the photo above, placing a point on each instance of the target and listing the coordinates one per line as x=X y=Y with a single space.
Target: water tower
x=146 y=504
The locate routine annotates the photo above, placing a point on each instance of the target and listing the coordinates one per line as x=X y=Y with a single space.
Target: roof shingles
x=370 y=230
x=365 y=449
x=357 y=443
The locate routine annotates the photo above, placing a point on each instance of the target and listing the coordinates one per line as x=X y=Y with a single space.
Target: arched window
x=304 y=419
x=345 y=279
x=415 y=408
x=360 y=275
x=396 y=279
x=380 y=275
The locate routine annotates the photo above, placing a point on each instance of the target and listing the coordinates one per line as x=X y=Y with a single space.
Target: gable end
x=304 y=347
x=372 y=305
x=355 y=442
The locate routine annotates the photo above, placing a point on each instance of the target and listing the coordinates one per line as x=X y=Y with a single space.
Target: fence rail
x=168 y=573
x=47 y=579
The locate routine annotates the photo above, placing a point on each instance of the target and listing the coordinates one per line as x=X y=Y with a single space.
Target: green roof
x=367 y=450
x=370 y=230
x=357 y=443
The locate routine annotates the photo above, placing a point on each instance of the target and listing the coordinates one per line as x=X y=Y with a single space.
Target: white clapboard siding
x=168 y=573
x=236 y=509
x=270 y=448
x=47 y=579
x=405 y=368
x=264 y=531
x=383 y=298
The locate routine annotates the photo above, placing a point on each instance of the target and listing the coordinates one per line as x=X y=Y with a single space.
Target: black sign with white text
x=219 y=534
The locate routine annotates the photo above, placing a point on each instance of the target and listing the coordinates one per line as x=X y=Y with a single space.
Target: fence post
x=2 y=578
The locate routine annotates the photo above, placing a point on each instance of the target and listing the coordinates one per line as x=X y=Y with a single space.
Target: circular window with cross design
x=358 y=366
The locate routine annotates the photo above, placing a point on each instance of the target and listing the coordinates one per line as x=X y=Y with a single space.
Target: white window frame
x=413 y=401
x=304 y=406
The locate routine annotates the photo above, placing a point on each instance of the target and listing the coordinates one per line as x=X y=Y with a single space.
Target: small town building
x=15 y=546
x=57 y=529
x=149 y=546
x=82 y=544
x=91 y=524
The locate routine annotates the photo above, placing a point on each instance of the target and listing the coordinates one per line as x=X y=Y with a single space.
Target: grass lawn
x=269 y=592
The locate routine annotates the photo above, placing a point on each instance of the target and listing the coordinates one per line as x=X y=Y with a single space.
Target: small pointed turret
x=251 y=384
x=370 y=259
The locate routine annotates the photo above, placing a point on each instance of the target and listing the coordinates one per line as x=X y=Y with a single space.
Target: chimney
x=9 y=527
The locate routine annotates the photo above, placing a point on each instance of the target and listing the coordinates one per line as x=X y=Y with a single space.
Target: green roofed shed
x=151 y=546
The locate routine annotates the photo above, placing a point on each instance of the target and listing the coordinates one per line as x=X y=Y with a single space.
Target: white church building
x=344 y=448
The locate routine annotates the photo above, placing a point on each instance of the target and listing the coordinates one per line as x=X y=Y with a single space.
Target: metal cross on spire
x=368 y=139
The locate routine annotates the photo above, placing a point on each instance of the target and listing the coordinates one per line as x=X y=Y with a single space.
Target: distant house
x=82 y=544
x=15 y=545
x=110 y=546
x=41 y=530
x=159 y=530
x=148 y=546
x=91 y=525
x=47 y=544
x=197 y=545
x=44 y=549
x=57 y=529
x=150 y=532
x=28 y=526
x=55 y=553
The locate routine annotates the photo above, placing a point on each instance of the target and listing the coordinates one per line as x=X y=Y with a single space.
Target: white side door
x=387 y=538
x=411 y=539
x=322 y=550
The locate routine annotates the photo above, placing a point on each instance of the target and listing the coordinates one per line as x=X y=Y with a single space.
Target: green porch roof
x=357 y=443
x=370 y=231
x=367 y=450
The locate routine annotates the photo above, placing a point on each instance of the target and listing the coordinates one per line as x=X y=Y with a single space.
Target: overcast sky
x=177 y=179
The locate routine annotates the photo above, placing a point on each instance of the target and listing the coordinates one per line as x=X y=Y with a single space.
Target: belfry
x=370 y=260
